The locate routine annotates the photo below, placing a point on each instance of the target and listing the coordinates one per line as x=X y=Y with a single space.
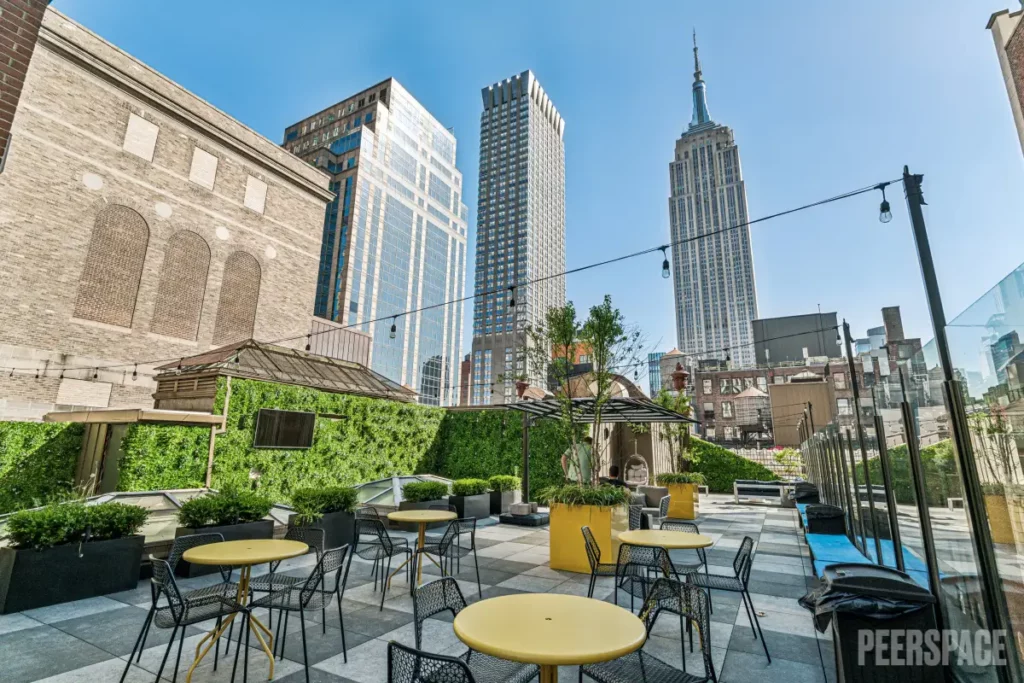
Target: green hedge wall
x=721 y=467
x=376 y=438
x=37 y=462
x=482 y=443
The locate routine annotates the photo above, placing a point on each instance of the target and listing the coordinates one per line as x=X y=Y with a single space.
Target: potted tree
x=70 y=551
x=423 y=495
x=505 y=491
x=329 y=508
x=605 y=509
x=470 y=498
x=236 y=515
x=682 y=487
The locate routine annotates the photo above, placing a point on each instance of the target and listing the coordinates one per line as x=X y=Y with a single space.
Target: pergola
x=585 y=411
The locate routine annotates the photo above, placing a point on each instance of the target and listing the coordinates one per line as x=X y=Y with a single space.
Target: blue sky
x=823 y=98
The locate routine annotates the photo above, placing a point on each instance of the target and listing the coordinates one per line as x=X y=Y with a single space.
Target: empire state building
x=713 y=268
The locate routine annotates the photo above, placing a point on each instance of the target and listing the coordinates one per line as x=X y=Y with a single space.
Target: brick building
x=138 y=222
x=1008 y=35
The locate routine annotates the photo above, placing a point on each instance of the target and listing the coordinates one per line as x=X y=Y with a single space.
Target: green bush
x=576 y=494
x=940 y=474
x=469 y=487
x=37 y=463
x=63 y=523
x=504 y=482
x=721 y=467
x=228 y=506
x=313 y=503
x=681 y=478
x=422 y=491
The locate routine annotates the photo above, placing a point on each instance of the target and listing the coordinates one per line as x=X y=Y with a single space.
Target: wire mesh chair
x=449 y=548
x=669 y=595
x=378 y=546
x=406 y=665
x=310 y=595
x=736 y=584
x=444 y=595
x=227 y=587
x=636 y=515
x=271 y=581
x=686 y=561
x=635 y=567
x=594 y=558
x=367 y=512
x=181 y=611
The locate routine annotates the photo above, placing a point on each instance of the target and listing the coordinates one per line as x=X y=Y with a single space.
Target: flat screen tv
x=284 y=429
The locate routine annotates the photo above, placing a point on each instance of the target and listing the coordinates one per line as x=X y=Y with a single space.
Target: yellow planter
x=568 y=550
x=999 y=520
x=684 y=501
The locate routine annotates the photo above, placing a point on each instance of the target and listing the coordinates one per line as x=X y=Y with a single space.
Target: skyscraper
x=394 y=238
x=654 y=372
x=520 y=232
x=713 y=276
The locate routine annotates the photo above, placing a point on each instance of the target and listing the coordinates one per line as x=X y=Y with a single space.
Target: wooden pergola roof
x=631 y=410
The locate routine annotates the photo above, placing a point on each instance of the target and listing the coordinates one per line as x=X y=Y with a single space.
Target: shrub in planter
x=505 y=491
x=70 y=551
x=236 y=515
x=329 y=508
x=422 y=495
x=602 y=508
x=470 y=498
x=682 y=487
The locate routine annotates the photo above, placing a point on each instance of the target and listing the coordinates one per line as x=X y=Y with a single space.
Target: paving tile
x=782 y=645
x=506 y=565
x=789 y=579
x=580 y=589
x=9 y=623
x=557 y=574
x=110 y=670
x=373 y=623
x=367 y=663
x=781 y=590
x=116 y=631
x=497 y=591
x=320 y=645
x=34 y=653
x=534 y=558
x=70 y=610
x=315 y=676
x=783 y=622
x=534 y=584
x=743 y=667
x=438 y=636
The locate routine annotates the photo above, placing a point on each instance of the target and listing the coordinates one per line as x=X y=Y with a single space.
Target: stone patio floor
x=89 y=640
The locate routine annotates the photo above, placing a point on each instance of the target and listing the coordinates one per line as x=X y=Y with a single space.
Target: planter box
x=37 y=578
x=1001 y=522
x=472 y=507
x=425 y=505
x=501 y=500
x=683 y=503
x=339 y=528
x=568 y=550
x=232 y=532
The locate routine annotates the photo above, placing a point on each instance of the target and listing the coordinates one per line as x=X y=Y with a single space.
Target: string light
x=394 y=327
x=95 y=373
x=666 y=272
x=512 y=297
x=884 y=212
x=177 y=370
x=61 y=374
x=135 y=372
x=12 y=373
x=308 y=336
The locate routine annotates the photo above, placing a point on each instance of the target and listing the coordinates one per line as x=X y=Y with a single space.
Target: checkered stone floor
x=88 y=641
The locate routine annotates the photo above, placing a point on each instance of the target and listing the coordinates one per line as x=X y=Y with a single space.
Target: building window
x=255 y=194
x=710 y=433
x=840 y=380
x=707 y=386
x=204 y=168
x=109 y=283
x=728 y=433
x=727 y=409
x=140 y=137
x=239 y=295
x=843 y=405
x=780 y=379
x=723 y=385
x=737 y=385
x=762 y=383
x=179 y=296
x=584 y=358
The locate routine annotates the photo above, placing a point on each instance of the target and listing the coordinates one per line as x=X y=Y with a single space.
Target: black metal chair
x=406 y=665
x=636 y=515
x=310 y=595
x=594 y=557
x=642 y=667
x=271 y=581
x=379 y=546
x=736 y=584
x=444 y=595
x=686 y=561
x=181 y=611
x=449 y=548
x=635 y=567
x=227 y=587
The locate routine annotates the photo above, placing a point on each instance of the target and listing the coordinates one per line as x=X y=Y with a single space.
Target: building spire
x=700 y=98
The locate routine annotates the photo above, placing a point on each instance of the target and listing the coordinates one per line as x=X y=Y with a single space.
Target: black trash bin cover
x=866 y=590
x=823 y=512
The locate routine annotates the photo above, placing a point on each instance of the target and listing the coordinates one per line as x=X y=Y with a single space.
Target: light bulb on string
x=135 y=372
x=666 y=272
x=307 y=341
x=512 y=297
x=95 y=373
x=884 y=211
x=394 y=327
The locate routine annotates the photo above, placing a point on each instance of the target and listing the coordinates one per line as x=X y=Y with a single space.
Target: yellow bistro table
x=550 y=630
x=241 y=554
x=670 y=540
x=421 y=518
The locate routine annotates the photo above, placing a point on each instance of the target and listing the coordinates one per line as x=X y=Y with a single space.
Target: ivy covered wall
x=721 y=467
x=37 y=462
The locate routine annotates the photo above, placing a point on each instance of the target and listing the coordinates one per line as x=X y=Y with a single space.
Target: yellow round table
x=241 y=554
x=550 y=630
x=670 y=540
x=421 y=518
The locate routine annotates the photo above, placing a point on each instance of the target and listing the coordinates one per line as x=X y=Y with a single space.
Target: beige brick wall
x=66 y=164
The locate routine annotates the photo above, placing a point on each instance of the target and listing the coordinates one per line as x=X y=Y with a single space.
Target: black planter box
x=37 y=578
x=339 y=528
x=501 y=500
x=425 y=505
x=232 y=532
x=472 y=507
